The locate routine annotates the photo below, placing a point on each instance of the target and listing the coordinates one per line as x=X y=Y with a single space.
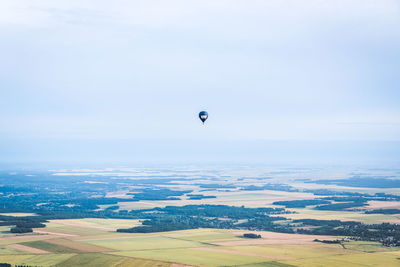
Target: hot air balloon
x=203 y=115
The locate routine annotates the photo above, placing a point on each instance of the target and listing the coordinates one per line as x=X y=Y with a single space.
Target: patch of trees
x=30 y=224
x=340 y=206
x=347 y=199
x=348 y=202
x=28 y=221
x=352 y=199
x=364 y=198
x=158 y=194
x=223 y=211
x=265 y=224
x=301 y=203
x=362 y=181
x=173 y=218
x=383 y=211
x=331 y=193
x=385 y=233
x=182 y=222
x=274 y=187
x=337 y=241
x=21 y=230
x=173 y=223
x=314 y=222
x=22 y=224
x=112 y=208
x=251 y=235
x=326 y=192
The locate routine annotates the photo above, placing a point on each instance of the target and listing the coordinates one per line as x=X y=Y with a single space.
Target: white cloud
x=189 y=13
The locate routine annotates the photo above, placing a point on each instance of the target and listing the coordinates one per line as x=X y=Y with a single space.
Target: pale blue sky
x=267 y=71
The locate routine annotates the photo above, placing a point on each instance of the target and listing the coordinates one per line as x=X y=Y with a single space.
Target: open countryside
x=122 y=218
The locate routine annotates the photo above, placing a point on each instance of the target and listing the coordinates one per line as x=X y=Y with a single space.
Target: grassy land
x=15 y=259
x=144 y=243
x=63 y=245
x=115 y=223
x=9 y=251
x=92 y=259
x=357 y=259
x=50 y=247
x=308 y=213
x=266 y=264
x=200 y=247
x=194 y=257
x=46 y=260
x=89 y=242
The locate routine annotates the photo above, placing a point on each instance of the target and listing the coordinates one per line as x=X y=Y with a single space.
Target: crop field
x=96 y=224
x=307 y=213
x=94 y=241
x=200 y=247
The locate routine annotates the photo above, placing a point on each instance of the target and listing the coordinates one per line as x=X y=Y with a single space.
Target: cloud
x=292 y=69
x=183 y=13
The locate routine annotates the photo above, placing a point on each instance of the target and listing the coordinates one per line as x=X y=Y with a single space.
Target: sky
x=123 y=80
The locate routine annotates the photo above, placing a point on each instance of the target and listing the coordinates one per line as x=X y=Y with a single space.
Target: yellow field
x=194 y=257
x=77 y=243
x=307 y=213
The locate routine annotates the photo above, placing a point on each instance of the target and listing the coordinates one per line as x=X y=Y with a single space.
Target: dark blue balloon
x=203 y=115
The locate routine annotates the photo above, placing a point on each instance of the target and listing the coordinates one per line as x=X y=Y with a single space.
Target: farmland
x=199 y=247
x=146 y=218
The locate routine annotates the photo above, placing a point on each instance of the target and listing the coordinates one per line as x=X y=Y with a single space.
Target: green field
x=194 y=257
x=92 y=260
x=94 y=242
x=55 y=248
x=145 y=243
x=46 y=260
x=308 y=213
x=200 y=247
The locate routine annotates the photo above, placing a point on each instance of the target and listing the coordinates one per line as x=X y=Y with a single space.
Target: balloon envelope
x=203 y=115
